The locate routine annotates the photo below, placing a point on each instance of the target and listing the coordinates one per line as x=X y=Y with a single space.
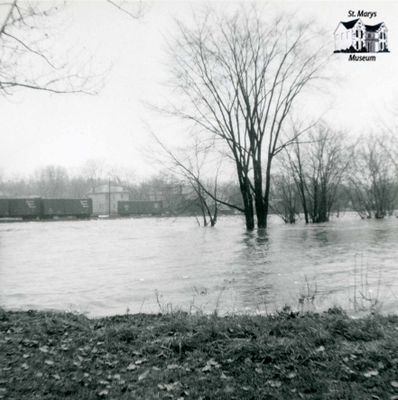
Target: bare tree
x=26 y=61
x=133 y=9
x=285 y=200
x=239 y=77
x=190 y=166
x=94 y=171
x=318 y=165
x=373 y=177
x=52 y=182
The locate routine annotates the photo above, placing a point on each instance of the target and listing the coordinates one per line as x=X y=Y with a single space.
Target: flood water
x=105 y=267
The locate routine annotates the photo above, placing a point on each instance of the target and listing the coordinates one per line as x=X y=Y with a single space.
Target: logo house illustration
x=356 y=37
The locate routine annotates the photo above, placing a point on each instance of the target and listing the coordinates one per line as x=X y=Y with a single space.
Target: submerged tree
x=285 y=200
x=238 y=77
x=373 y=178
x=318 y=165
x=191 y=164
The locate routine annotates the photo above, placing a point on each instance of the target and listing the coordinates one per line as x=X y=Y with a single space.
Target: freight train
x=39 y=208
x=125 y=208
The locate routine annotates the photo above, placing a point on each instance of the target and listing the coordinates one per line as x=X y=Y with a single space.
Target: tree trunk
x=266 y=194
x=248 y=205
x=258 y=195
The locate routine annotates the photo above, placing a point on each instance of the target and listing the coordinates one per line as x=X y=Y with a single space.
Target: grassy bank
x=286 y=356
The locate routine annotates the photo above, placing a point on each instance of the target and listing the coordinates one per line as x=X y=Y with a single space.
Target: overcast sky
x=39 y=128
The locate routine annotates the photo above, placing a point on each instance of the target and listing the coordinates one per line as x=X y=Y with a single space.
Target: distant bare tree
x=285 y=200
x=238 y=78
x=52 y=182
x=318 y=165
x=94 y=171
x=373 y=177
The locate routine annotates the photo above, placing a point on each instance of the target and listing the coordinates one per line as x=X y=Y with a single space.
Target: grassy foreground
x=180 y=356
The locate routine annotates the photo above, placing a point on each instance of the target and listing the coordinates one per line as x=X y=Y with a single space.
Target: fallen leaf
x=173 y=366
x=131 y=367
x=143 y=375
x=49 y=362
x=103 y=393
x=43 y=349
x=320 y=349
x=394 y=384
x=371 y=373
x=24 y=366
x=169 y=386
x=274 y=383
x=214 y=363
x=229 y=389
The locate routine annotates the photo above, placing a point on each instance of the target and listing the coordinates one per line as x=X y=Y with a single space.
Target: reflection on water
x=107 y=266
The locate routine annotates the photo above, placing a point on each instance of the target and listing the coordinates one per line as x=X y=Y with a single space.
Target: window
x=357 y=45
x=381 y=46
x=357 y=33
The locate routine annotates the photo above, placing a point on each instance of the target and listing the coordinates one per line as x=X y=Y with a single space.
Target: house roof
x=373 y=28
x=349 y=24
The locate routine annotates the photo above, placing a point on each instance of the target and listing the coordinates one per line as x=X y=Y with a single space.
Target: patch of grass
x=181 y=356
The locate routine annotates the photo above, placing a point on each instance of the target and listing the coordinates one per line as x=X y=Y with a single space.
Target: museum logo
x=359 y=39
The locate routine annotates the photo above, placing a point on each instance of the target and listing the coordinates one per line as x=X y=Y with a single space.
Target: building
x=354 y=36
x=106 y=197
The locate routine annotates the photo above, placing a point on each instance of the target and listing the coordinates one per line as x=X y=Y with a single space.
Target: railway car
x=80 y=208
x=4 y=208
x=60 y=208
x=29 y=208
x=126 y=208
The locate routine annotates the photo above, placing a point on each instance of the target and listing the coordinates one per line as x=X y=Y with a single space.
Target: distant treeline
x=56 y=182
x=319 y=175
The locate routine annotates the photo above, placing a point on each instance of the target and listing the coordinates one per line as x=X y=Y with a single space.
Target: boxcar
x=80 y=208
x=139 y=207
x=25 y=208
x=4 y=212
